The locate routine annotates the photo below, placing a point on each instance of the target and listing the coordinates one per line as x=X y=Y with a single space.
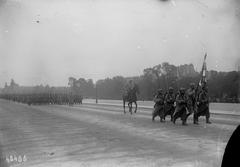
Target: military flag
x=203 y=79
x=203 y=72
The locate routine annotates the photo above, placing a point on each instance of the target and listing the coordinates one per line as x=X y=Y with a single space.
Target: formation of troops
x=178 y=105
x=182 y=104
x=44 y=98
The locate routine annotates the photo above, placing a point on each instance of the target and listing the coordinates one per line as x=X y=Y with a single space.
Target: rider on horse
x=130 y=95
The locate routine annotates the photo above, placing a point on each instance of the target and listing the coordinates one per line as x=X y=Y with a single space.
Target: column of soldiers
x=44 y=98
x=182 y=104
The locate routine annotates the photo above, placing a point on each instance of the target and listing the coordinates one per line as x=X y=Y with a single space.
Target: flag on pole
x=203 y=79
x=203 y=71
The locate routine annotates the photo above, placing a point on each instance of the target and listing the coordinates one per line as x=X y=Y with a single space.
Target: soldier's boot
x=153 y=116
x=162 y=119
x=195 y=122
x=207 y=121
x=174 y=120
x=184 y=123
x=184 y=120
x=195 y=119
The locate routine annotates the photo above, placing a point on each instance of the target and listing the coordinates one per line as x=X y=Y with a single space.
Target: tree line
x=222 y=86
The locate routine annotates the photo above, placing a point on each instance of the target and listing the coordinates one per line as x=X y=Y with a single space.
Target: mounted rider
x=181 y=107
x=159 y=105
x=130 y=87
x=169 y=103
x=130 y=95
x=131 y=90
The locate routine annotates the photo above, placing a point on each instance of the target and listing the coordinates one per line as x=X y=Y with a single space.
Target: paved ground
x=221 y=108
x=90 y=135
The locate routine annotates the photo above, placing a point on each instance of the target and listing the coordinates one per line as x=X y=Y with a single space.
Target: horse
x=130 y=96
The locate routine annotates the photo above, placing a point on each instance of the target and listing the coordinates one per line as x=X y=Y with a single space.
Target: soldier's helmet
x=182 y=90
x=170 y=89
x=192 y=85
x=159 y=91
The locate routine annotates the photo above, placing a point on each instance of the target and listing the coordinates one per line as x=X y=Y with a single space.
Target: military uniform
x=191 y=92
x=169 y=103
x=159 y=106
x=203 y=106
x=181 y=108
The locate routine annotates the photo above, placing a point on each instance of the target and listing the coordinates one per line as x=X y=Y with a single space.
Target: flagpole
x=201 y=77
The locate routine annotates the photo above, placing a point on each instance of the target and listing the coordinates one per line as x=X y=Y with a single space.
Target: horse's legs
x=130 y=107
x=124 y=107
x=135 y=106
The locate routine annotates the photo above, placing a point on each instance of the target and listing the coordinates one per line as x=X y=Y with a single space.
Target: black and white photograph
x=119 y=83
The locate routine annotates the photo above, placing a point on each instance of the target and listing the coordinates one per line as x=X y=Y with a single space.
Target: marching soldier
x=203 y=105
x=191 y=92
x=181 y=108
x=169 y=103
x=159 y=105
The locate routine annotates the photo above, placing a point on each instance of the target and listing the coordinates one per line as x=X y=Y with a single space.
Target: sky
x=47 y=41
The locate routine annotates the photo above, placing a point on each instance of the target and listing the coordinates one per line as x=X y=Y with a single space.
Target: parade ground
x=102 y=135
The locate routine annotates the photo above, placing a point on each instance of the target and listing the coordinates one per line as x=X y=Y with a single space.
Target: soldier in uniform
x=169 y=103
x=191 y=92
x=128 y=89
x=181 y=107
x=130 y=86
x=159 y=105
x=203 y=105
